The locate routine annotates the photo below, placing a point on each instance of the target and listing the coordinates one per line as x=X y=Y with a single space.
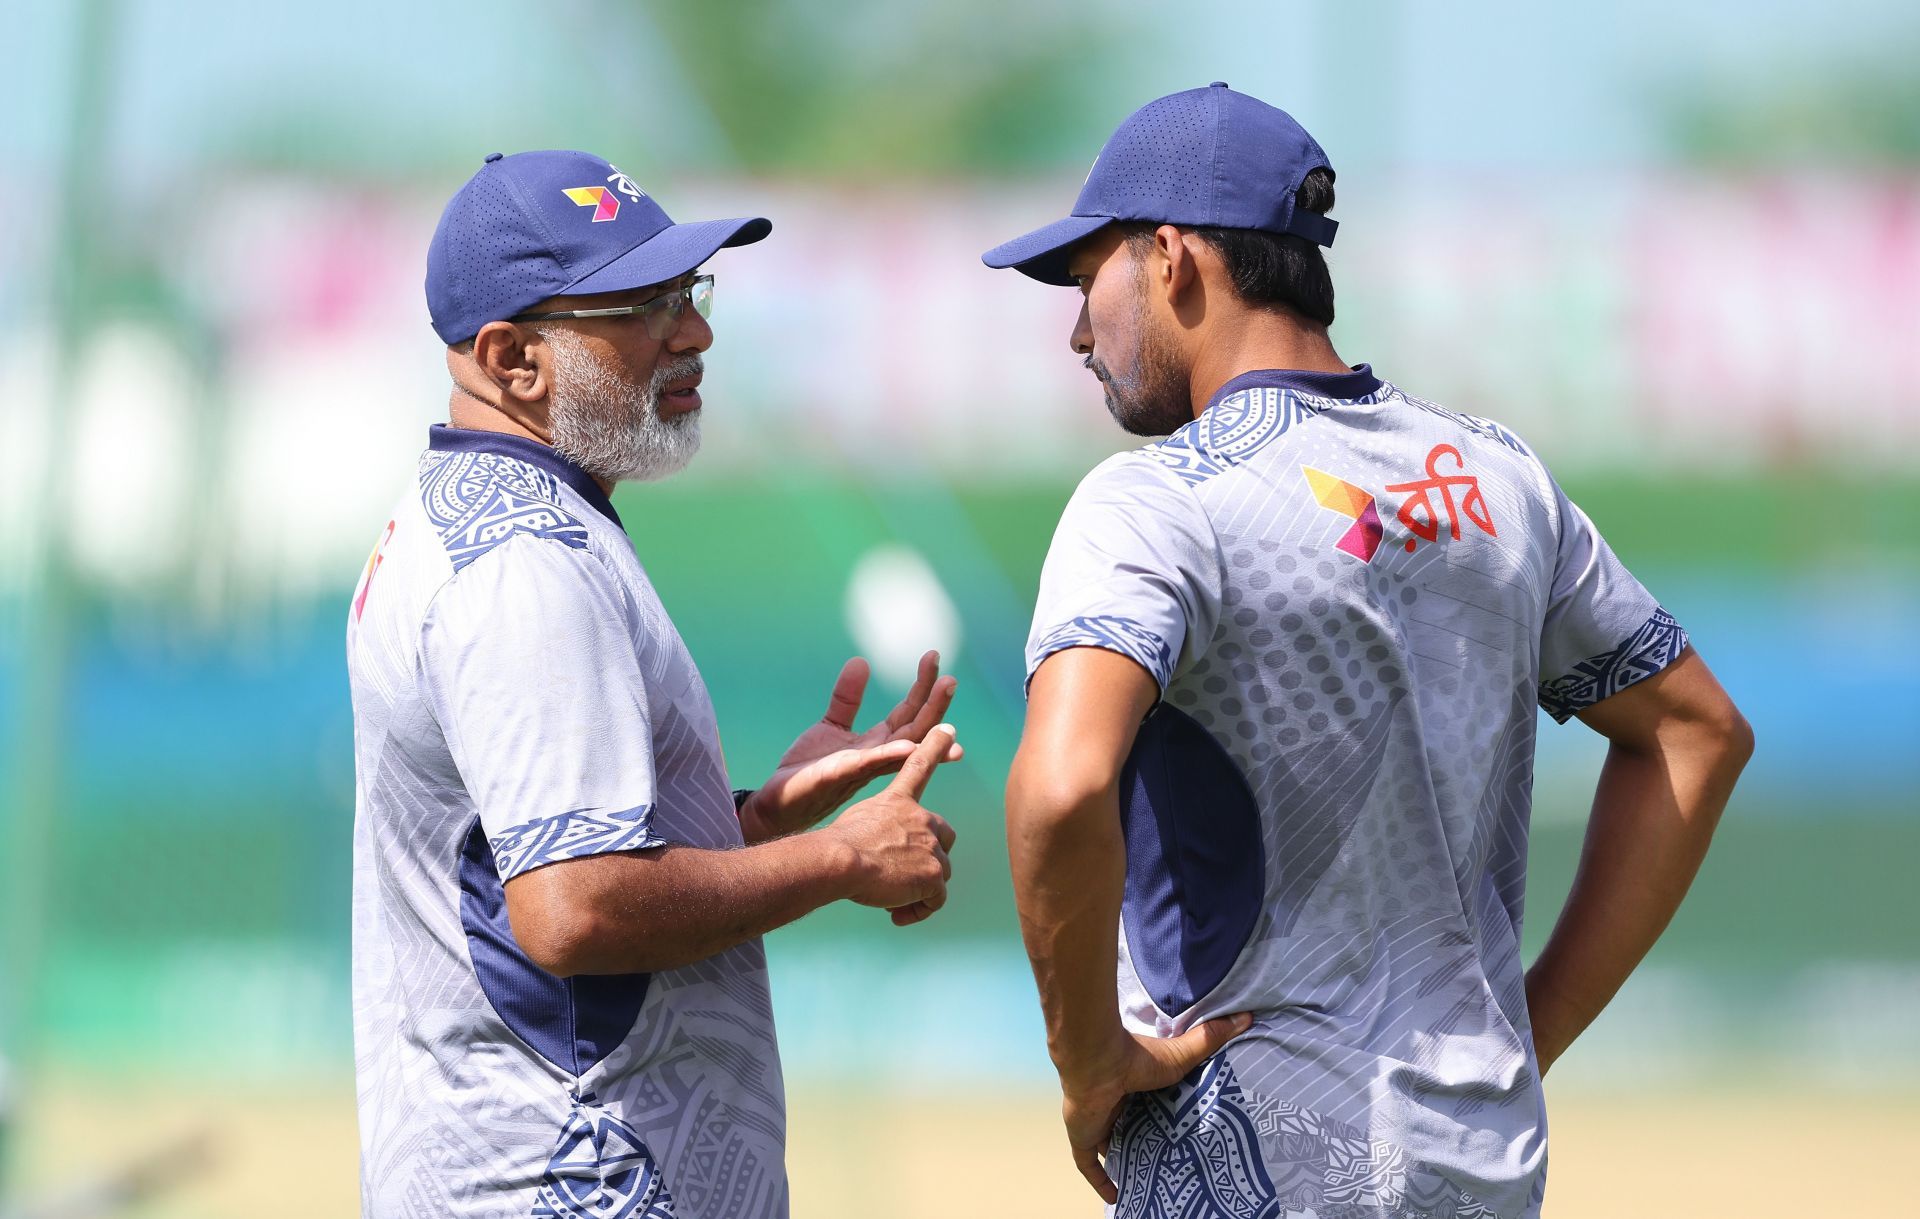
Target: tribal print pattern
x=1190 y=1152
x=1653 y=647
x=601 y=1170
x=584 y=831
x=479 y=500
x=1115 y=635
x=1232 y=430
x=1325 y=1168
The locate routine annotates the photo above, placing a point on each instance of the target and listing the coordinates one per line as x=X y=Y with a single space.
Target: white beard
x=610 y=427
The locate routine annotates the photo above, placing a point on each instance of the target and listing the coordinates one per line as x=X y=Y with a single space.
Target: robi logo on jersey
x=1417 y=511
x=1418 y=515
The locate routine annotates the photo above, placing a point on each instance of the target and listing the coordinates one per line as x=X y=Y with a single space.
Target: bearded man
x=560 y=996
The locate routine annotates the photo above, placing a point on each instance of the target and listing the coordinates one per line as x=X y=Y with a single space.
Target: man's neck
x=1261 y=340
x=466 y=411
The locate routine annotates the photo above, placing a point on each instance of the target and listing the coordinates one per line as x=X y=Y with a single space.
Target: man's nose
x=1082 y=338
x=692 y=334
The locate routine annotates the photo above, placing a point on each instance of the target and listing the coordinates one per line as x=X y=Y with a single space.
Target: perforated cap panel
x=1159 y=165
x=487 y=258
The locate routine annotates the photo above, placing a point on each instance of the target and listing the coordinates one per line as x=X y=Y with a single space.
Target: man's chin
x=665 y=463
x=1129 y=417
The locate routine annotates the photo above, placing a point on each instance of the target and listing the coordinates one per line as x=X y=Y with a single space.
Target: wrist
x=842 y=866
x=1092 y=1070
x=750 y=808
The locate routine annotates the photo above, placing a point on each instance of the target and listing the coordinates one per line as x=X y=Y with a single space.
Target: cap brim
x=669 y=254
x=1042 y=254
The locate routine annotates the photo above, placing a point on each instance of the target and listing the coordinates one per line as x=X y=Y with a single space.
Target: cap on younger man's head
x=541 y=224
x=1206 y=157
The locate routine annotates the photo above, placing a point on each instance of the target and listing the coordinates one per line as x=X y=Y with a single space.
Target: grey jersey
x=1353 y=602
x=521 y=698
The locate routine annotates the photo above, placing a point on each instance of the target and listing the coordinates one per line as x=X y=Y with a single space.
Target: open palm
x=829 y=762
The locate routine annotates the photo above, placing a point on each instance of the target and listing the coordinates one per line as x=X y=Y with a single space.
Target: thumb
x=1203 y=1041
x=918 y=769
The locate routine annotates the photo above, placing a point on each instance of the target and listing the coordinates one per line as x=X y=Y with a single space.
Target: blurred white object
x=897 y=609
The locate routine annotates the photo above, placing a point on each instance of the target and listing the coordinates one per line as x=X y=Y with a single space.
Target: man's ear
x=1175 y=266
x=515 y=360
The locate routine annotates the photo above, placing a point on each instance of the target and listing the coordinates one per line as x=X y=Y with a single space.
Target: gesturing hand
x=1092 y=1099
x=902 y=847
x=829 y=762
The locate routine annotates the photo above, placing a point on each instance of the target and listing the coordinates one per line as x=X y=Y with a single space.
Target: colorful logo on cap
x=1343 y=497
x=605 y=204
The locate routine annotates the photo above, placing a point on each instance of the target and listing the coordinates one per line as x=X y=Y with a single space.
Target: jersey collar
x=1358 y=382
x=442 y=438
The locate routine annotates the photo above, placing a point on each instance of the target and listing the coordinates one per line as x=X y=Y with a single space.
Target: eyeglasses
x=661 y=314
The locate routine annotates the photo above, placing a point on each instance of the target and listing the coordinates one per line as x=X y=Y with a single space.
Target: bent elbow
x=563 y=938
x=560 y=951
x=1053 y=796
x=1716 y=732
x=583 y=944
x=1739 y=741
x=1731 y=736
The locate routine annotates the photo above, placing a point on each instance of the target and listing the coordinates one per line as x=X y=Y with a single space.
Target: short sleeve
x=1603 y=631
x=528 y=661
x=1134 y=568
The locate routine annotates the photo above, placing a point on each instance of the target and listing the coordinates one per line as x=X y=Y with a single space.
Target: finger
x=914 y=912
x=918 y=769
x=848 y=689
x=871 y=763
x=1087 y=1160
x=946 y=864
x=923 y=680
x=1203 y=1041
x=934 y=711
x=943 y=831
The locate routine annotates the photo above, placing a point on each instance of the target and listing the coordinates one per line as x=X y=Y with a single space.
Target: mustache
x=688 y=365
x=1095 y=367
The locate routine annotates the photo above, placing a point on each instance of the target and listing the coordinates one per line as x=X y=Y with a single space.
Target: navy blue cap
x=541 y=224
x=1203 y=157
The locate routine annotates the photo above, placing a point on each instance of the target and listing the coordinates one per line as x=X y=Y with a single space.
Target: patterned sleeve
x=1134 y=568
x=1603 y=630
x=529 y=662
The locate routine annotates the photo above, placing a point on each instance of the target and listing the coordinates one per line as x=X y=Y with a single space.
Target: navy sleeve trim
x=1657 y=644
x=582 y=832
x=1121 y=635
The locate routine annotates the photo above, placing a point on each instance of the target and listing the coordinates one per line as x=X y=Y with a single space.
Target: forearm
x=671 y=906
x=1654 y=813
x=1069 y=874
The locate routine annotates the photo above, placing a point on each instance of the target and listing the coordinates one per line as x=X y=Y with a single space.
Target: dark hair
x=1274 y=270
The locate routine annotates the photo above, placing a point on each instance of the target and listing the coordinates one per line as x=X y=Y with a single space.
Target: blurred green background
x=1677 y=249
